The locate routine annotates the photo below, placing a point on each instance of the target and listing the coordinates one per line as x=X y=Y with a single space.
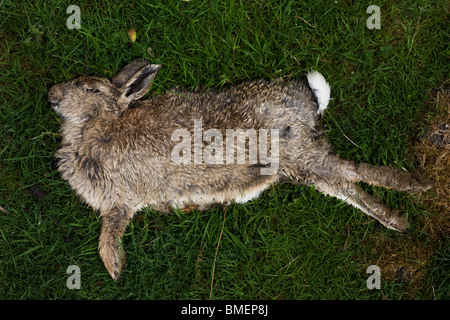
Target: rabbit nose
x=55 y=94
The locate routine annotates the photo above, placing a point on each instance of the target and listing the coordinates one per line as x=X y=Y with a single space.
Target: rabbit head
x=86 y=97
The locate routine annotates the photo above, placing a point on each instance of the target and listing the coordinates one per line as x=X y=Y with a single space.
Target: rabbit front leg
x=114 y=223
x=357 y=197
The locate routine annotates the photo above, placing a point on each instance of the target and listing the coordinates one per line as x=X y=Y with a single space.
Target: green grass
x=292 y=243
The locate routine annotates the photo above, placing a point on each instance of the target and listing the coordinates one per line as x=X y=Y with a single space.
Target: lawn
x=388 y=89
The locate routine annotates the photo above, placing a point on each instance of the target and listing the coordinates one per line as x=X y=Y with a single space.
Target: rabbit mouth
x=55 y=106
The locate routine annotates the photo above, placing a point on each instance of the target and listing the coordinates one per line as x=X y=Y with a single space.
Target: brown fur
x=116 y=152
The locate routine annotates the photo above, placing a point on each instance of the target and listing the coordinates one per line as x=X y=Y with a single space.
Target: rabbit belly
x=205 y=201
x=208 y=198
x=246 y=196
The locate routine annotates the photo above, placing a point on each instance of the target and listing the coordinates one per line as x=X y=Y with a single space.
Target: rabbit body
x=118 y=153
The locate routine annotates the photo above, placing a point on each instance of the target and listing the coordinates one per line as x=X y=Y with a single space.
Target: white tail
x=321 y=89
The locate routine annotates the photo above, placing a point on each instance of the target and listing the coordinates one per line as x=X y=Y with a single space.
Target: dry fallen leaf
x=132 y=34
x=189 y=209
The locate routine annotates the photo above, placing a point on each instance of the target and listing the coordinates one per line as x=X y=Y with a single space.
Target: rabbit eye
x=92 y=90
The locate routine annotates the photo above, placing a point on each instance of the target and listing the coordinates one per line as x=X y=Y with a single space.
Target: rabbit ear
x=128 y=71
x=135 y=80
